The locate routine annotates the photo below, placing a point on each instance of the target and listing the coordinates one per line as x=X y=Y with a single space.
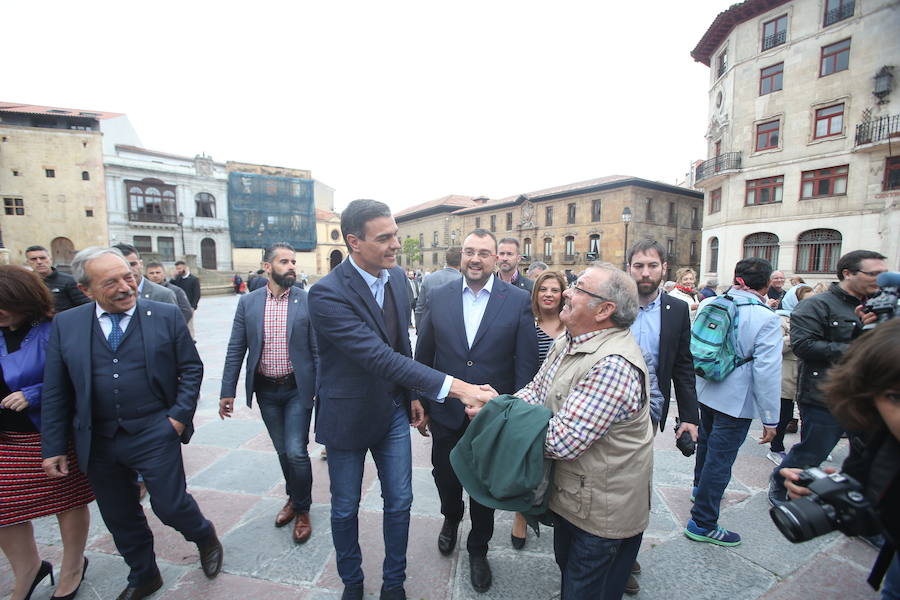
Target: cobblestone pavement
x=234 y=475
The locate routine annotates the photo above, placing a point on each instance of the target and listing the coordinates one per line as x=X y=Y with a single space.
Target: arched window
x=570 y=247
x=548 y=250
x=762 y=245
x=594 y=247
x=714 y=255
x=206 y=205
x=151 y=200
x=526 y=247
x=818 y=251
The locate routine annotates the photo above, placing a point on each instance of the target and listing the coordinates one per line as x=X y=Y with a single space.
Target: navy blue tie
x=115 y=336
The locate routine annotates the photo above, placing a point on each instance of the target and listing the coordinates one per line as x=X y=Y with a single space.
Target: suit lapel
x=457 y=321
x=665 y=324
x=356 y=283
x=88 y=334
x=491 y=311
x=292 y=311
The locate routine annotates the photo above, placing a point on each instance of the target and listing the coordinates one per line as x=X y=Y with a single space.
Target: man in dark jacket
x=822 y=328
x=189 y=283
x=65 y=292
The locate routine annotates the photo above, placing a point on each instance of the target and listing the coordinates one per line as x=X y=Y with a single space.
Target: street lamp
x=626 y=218
x=180 y=221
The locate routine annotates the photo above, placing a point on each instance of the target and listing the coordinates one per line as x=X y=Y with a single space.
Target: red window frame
x=835 y=58
x=715 y=200
x=821 y=183
x=767 y=135
x=771 y=79
x=828 y=116
x=891 y=174
x=771 y=187
x=771 y=37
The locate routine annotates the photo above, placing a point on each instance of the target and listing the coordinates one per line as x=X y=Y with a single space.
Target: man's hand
x=768 y=435
x=56 y=467
x=226 y=406
x=15 y=401
x=419 y=419
x=473 y=396
x=687 y=427
x=177 y=425
x=865 y=317
x=772 y=302
x=791 y=475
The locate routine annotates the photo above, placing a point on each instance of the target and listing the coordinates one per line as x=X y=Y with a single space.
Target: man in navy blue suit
x=498 y=344
x=360 y=312
x=124 y=376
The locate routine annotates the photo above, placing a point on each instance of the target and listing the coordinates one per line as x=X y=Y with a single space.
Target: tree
x=411 y=251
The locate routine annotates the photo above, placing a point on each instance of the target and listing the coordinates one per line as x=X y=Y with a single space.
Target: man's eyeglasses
x=470 y=252
x=871 y=273
x=591 y=294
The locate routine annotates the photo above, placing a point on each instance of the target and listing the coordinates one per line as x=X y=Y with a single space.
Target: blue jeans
x=819 y=434
x=393 y=458
x=288 y=423
x=591 y=566
x=720 y=439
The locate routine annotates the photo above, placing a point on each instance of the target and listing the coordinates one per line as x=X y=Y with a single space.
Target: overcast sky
x=403 y=102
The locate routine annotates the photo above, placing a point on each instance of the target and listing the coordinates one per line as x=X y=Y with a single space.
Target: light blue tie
x=115 y=336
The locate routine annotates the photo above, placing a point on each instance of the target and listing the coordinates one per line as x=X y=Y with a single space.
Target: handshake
x=472 y=396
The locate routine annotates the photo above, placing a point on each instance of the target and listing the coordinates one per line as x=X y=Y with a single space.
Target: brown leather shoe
x=302 y=528
x=285 y=515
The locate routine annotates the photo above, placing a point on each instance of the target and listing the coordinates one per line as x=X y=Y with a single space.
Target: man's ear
x=353 y=242
x=85 y=291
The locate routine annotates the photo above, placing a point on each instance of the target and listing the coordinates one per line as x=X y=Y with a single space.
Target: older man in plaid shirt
x=596 y=382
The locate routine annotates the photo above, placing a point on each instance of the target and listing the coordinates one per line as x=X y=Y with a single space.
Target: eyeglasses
x=470 y=252
x=591 y=294
x=871 y=273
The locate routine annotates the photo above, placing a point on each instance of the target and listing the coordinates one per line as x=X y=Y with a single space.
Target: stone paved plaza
x=234 y=475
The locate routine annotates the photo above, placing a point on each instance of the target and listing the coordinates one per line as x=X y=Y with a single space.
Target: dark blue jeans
x=288 y=423
x=592 y=567
x=819 y=434
x=720 y=439
x=393 y=458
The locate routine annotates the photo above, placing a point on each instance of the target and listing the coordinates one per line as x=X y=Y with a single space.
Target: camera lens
x=803 y=519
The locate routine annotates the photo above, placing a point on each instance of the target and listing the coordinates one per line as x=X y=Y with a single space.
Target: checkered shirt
x=608 y=394
x=275 y=361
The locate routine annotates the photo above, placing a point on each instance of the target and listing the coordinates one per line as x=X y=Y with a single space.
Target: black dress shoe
x=517 y=542
x=447 y=537
x=73 y=593
x=392 y=594
x=211 y=555
x=352 y=592
x=480 y=573
x=141 y=591
x=44 y=570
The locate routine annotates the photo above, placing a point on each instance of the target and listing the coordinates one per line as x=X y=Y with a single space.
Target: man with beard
x=508 y=258
x=663 y=331
x=271 y=326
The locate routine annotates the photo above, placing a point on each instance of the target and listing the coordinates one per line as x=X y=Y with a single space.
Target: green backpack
x=713 y=337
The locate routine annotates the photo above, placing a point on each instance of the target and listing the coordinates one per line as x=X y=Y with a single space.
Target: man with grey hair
x=595 y=381
x=122 y=376
x=535 y=269
x=710 y=289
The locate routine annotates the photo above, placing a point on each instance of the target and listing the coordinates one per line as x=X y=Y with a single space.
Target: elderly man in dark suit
x=271 y=326
x=123 y=377
x=360 y=312
x=478 y=329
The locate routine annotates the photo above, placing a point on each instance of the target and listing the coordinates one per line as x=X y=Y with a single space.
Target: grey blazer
x=432 y=281
x=183 y=303
x=157 y=293
x=247 y=337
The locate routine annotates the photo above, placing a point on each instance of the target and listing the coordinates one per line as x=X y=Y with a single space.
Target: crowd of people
x=100 y=380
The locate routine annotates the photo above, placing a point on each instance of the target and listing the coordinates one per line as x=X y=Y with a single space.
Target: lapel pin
x=149 y=313
x=668 y=306
x=295 y=301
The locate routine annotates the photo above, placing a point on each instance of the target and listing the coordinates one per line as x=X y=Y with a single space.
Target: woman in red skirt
x=26 y=493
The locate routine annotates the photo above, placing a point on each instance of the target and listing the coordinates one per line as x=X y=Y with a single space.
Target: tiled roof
x=453 y=200
x=33 y=109
x=725 y=22
x=324 y=215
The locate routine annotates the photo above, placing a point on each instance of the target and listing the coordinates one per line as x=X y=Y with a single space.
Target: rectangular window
x=835 y=57
x=509 y=221
x=715 y=201
x=693 y=251
x=595 y=210
x=166 y=247
x=434 y=238
x=548 y=216
x=143 y=243
x=722 y=63
x=570 y=214
x=477 y=222
x=50 y=172
x=892 y=174
x=14 y=206
x=649 y=218
x=838 y=10
x=434 y=258
x=767 y=135
x=829 y=121
x=89 y=212
x=548 y=250
x=671 y=213
x=85 y=176
x=771 y=79
x=764 y=191
x=670 y=247
x=695 y=217
x=493 y=222
x=570 y=247
x=824 y=182
x=774 y=32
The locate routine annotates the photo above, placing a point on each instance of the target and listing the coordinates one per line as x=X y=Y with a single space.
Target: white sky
x=403 y=102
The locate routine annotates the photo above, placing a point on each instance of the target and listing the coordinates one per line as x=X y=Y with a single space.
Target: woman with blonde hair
x=685 y=280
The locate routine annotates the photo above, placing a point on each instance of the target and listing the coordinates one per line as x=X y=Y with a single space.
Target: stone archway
x=62 y=251
x=335 y=259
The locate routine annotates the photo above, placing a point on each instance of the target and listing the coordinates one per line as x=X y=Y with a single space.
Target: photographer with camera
x=822 y=328
x=863 y=393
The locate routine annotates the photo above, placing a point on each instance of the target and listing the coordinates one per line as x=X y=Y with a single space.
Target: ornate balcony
x=730 y=161
x=839 y=14
x=147 y=217
x=878 y=130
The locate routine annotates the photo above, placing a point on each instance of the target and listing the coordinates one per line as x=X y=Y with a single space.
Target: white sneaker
x=776 y=457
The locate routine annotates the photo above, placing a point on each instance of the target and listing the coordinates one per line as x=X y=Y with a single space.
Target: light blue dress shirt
x=474 y=305
x=646 y=327
x=106 y=322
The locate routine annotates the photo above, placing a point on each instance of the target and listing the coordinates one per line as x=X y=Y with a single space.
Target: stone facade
x=782 y=67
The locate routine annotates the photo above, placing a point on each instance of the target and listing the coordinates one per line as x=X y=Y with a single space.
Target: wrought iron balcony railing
x=776 y=39
x=717 y=164
x=840 y=13
x=152 y=217
x=878 y=129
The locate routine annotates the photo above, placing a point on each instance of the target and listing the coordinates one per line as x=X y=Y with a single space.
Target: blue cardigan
x=24 y=369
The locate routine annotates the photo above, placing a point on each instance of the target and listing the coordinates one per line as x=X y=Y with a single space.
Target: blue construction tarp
x=264 y=209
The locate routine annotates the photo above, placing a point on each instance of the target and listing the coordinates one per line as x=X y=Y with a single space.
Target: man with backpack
x=736 y=343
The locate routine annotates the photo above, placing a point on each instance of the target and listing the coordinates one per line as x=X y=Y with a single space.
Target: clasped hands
x=471 y=395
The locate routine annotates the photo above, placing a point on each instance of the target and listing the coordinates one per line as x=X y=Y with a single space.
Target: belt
x=287 y=380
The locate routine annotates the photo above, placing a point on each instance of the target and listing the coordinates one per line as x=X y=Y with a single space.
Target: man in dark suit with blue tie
x=124 y=376
x=360 y=312
x=271 y=326
x=479 y=328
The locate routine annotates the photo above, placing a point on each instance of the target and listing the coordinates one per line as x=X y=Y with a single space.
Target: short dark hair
x=646 y=245
x=180 y=262
x=483 y=233
x=127 y=249
x=357 y=214
x=509 y=240
x=270 y=251
x=36 y=249
x=454 y=256
x=22 y=291
x=852 y=261
x=154 y=265
x=754 y=271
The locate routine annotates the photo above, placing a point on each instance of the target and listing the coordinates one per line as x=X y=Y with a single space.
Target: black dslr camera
x=685 y=442
x=836 y=502
x=884 y=302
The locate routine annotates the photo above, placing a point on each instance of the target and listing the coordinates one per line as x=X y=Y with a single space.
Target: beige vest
x=606 y=490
